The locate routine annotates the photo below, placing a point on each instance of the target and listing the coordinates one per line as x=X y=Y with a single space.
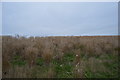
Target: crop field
x=60 y=57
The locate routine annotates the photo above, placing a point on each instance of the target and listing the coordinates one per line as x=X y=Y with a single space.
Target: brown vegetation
x=48 y=56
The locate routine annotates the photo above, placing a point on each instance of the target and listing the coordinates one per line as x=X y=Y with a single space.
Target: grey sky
x=60 y=19
x=0 y=18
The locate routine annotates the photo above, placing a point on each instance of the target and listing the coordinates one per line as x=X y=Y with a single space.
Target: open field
x=0 y=57
x=60 y=57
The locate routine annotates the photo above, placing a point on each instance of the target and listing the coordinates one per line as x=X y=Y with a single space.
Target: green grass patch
x=64 y=68
x=110 y=62
x=90 y=74
x=69 y=57
x=17 y=60
x=39 y=61
x=64 y=71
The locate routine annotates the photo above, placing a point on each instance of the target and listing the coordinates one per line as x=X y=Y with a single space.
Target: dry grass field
x=0 y=57
x=60 y=57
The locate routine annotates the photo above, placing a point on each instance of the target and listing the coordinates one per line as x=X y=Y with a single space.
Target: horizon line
x=56 y=35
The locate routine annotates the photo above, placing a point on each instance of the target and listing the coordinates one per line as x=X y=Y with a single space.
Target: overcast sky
x=60 y=19
x=0 y=18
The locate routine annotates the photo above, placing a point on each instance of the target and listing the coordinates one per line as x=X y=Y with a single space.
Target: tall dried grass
x=87 y=50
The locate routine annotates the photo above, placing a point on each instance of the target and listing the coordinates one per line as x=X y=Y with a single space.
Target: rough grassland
x=60 y=57
x=0 y=57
